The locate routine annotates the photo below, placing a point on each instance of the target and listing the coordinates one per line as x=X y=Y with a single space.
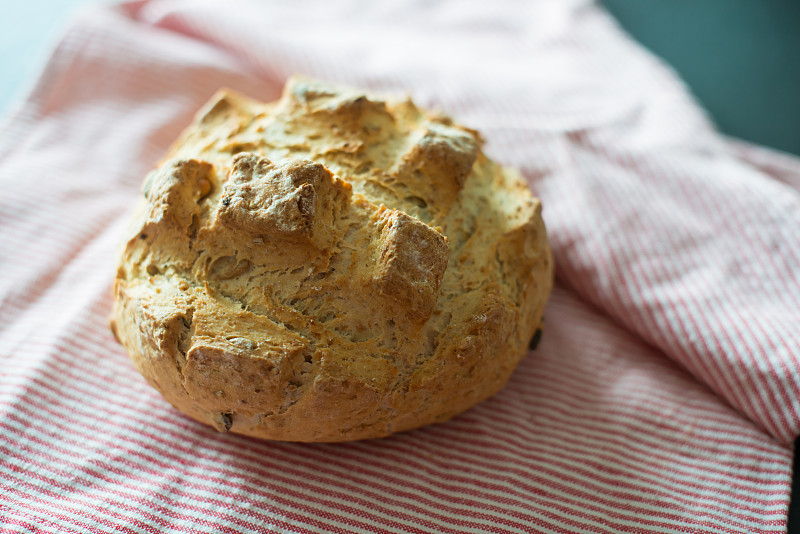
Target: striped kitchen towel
x=663 y=398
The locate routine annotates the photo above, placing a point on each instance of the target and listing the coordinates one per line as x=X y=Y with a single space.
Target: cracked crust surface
x=331 y=266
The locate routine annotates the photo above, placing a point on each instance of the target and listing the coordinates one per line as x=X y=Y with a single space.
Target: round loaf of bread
x=331 y=266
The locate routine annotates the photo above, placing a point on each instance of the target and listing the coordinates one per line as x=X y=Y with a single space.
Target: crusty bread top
x=331 y=235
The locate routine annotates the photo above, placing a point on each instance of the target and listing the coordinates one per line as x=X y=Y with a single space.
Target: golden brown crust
x=411 y=262
x=331 y=266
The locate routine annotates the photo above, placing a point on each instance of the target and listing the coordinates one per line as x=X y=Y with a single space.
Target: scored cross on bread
x=330 y=266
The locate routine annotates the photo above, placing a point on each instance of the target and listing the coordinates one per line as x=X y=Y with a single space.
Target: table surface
x=740 y=58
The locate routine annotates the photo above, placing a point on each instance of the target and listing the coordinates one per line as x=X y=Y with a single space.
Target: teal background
x=741 y=59
x=28 y=29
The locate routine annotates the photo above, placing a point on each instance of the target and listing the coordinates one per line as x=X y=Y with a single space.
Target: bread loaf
x=331 y=266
